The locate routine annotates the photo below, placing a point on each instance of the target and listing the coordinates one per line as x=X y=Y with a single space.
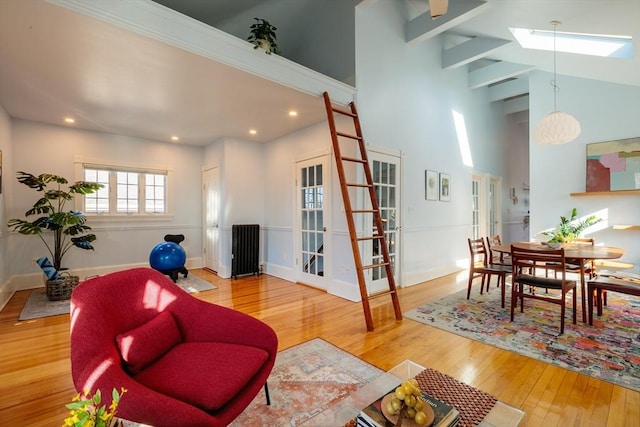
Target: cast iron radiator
x=245 y=249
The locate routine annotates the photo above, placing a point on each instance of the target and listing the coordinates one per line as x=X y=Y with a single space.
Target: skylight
x=585 y=44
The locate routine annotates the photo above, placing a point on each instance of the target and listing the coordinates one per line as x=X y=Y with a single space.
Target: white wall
x=606 y=111
x=7 y=173
x=41 y=148
x=406 y=102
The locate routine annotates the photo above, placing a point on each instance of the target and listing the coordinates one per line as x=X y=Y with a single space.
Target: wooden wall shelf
x=626 y=227
x=607 y=193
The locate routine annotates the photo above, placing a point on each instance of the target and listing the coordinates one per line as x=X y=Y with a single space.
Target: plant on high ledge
x=263 y=34
x=571 y=228
x=68 y=227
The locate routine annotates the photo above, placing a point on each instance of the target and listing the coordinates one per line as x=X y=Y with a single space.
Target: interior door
x=211 y=188
x=385 y=170
x=312 y=201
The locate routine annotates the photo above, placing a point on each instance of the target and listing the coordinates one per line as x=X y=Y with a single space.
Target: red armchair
x=184 y=362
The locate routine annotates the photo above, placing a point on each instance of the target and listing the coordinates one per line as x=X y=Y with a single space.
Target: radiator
x=245 y=249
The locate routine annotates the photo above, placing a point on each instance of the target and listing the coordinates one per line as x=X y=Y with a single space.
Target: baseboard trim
x=24 y=282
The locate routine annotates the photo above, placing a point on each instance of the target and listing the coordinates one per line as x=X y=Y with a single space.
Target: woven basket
x=60 y=289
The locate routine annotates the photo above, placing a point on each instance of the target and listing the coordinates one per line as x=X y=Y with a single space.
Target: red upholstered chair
x=184 y=362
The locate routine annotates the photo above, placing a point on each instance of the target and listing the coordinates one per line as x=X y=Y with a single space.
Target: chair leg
x=266 y=392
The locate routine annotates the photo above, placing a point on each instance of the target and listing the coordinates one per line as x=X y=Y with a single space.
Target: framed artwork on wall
x=445 y=187
x=613 y=165
x=430 y=185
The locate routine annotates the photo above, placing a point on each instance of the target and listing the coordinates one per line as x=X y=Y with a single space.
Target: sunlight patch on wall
x=463 y=139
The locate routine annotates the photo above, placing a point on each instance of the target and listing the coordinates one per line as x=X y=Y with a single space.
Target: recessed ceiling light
x=293 y=113
x=69 y=120
x=253 y=131
x=175 y=138
x=585 y=44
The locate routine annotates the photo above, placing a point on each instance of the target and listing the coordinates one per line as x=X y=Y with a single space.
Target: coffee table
x=501 y=415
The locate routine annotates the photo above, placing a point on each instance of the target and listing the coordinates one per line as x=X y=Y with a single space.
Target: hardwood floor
x=35 y=378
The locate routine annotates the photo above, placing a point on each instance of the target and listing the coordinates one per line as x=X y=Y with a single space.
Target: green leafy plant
x=86 y=411
x=68 y=228
x=571 y=228
x=263 y=34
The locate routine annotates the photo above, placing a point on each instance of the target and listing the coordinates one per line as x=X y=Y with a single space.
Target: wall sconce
x=514 y=198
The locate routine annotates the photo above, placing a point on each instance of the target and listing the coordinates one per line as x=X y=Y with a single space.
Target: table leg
x=591 y=296
x=582 y=285
x=599 y=301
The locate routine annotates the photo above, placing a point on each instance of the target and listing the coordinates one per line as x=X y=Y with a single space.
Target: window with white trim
x=126 y=191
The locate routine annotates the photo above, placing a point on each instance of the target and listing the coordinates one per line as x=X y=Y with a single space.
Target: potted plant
x=86 y=410
x=67 y=227
x=263 y=34
x=571 y=228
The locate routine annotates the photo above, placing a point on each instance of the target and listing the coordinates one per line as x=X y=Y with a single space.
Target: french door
x=211 y=214
x=486 y=217
x=385 y=170
x=312 y=201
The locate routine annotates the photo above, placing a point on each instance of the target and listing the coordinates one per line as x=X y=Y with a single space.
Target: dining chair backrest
x=530 y=258
x=495 y=241
x=478 y=251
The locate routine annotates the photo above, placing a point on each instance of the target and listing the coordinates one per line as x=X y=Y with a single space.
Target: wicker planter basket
x=60 y=289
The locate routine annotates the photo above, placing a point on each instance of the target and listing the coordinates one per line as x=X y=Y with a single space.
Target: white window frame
x=81 y=163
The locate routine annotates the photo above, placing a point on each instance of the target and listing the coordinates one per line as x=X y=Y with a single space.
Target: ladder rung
x=369 y=238
x=358 y=185
x=382 y=293
x=382 y=264
x=347 y=135
x=352 y=159
x=363 y=211
x=342 y=111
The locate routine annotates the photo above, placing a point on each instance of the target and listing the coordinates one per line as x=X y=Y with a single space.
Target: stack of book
x=445 y=415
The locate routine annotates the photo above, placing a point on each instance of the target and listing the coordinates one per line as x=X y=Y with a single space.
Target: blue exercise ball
x=167 y=256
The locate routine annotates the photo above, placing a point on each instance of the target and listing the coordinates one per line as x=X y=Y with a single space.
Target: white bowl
x=554 y=245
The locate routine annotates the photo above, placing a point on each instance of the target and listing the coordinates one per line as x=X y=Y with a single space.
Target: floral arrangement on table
x=571 y=228
x=87 y=412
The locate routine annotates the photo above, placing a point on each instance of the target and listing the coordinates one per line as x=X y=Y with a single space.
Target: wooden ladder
x=378 y=234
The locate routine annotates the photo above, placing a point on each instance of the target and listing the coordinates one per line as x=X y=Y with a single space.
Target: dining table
x=580 y=253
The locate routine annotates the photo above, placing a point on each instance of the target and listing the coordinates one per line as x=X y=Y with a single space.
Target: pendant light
x=438 y=8
x=556 y=127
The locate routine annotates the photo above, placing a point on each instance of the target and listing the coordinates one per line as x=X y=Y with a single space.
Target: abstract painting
x=613 y=165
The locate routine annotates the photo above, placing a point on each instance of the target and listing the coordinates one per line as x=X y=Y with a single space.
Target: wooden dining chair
x=524 y=274
x=501 y=257
x=481 y=267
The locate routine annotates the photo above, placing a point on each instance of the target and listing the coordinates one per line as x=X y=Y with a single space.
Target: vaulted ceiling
x=55 y=62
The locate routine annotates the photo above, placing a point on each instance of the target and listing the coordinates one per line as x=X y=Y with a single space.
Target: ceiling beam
x=496 y=72
x=423 y=27
x=469 y=51
x=516 y=105
x=509 y=89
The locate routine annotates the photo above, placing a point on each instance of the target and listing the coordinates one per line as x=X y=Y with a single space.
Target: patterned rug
x=305 y=380
x=609 y=350
x=38 y=305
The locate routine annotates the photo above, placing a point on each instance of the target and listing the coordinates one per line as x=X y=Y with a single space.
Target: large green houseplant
x=67 y=227
x=263 y=34
x=571 y=228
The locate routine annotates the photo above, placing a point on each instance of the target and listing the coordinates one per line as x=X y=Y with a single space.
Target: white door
x=312 y=213
x=485 y=206
x=495 y=217
x=211 y=188
x=385 y=170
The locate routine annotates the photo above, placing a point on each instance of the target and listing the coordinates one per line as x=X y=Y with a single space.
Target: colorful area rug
x=609 y=350
x=38 y=305
x=305 y=380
